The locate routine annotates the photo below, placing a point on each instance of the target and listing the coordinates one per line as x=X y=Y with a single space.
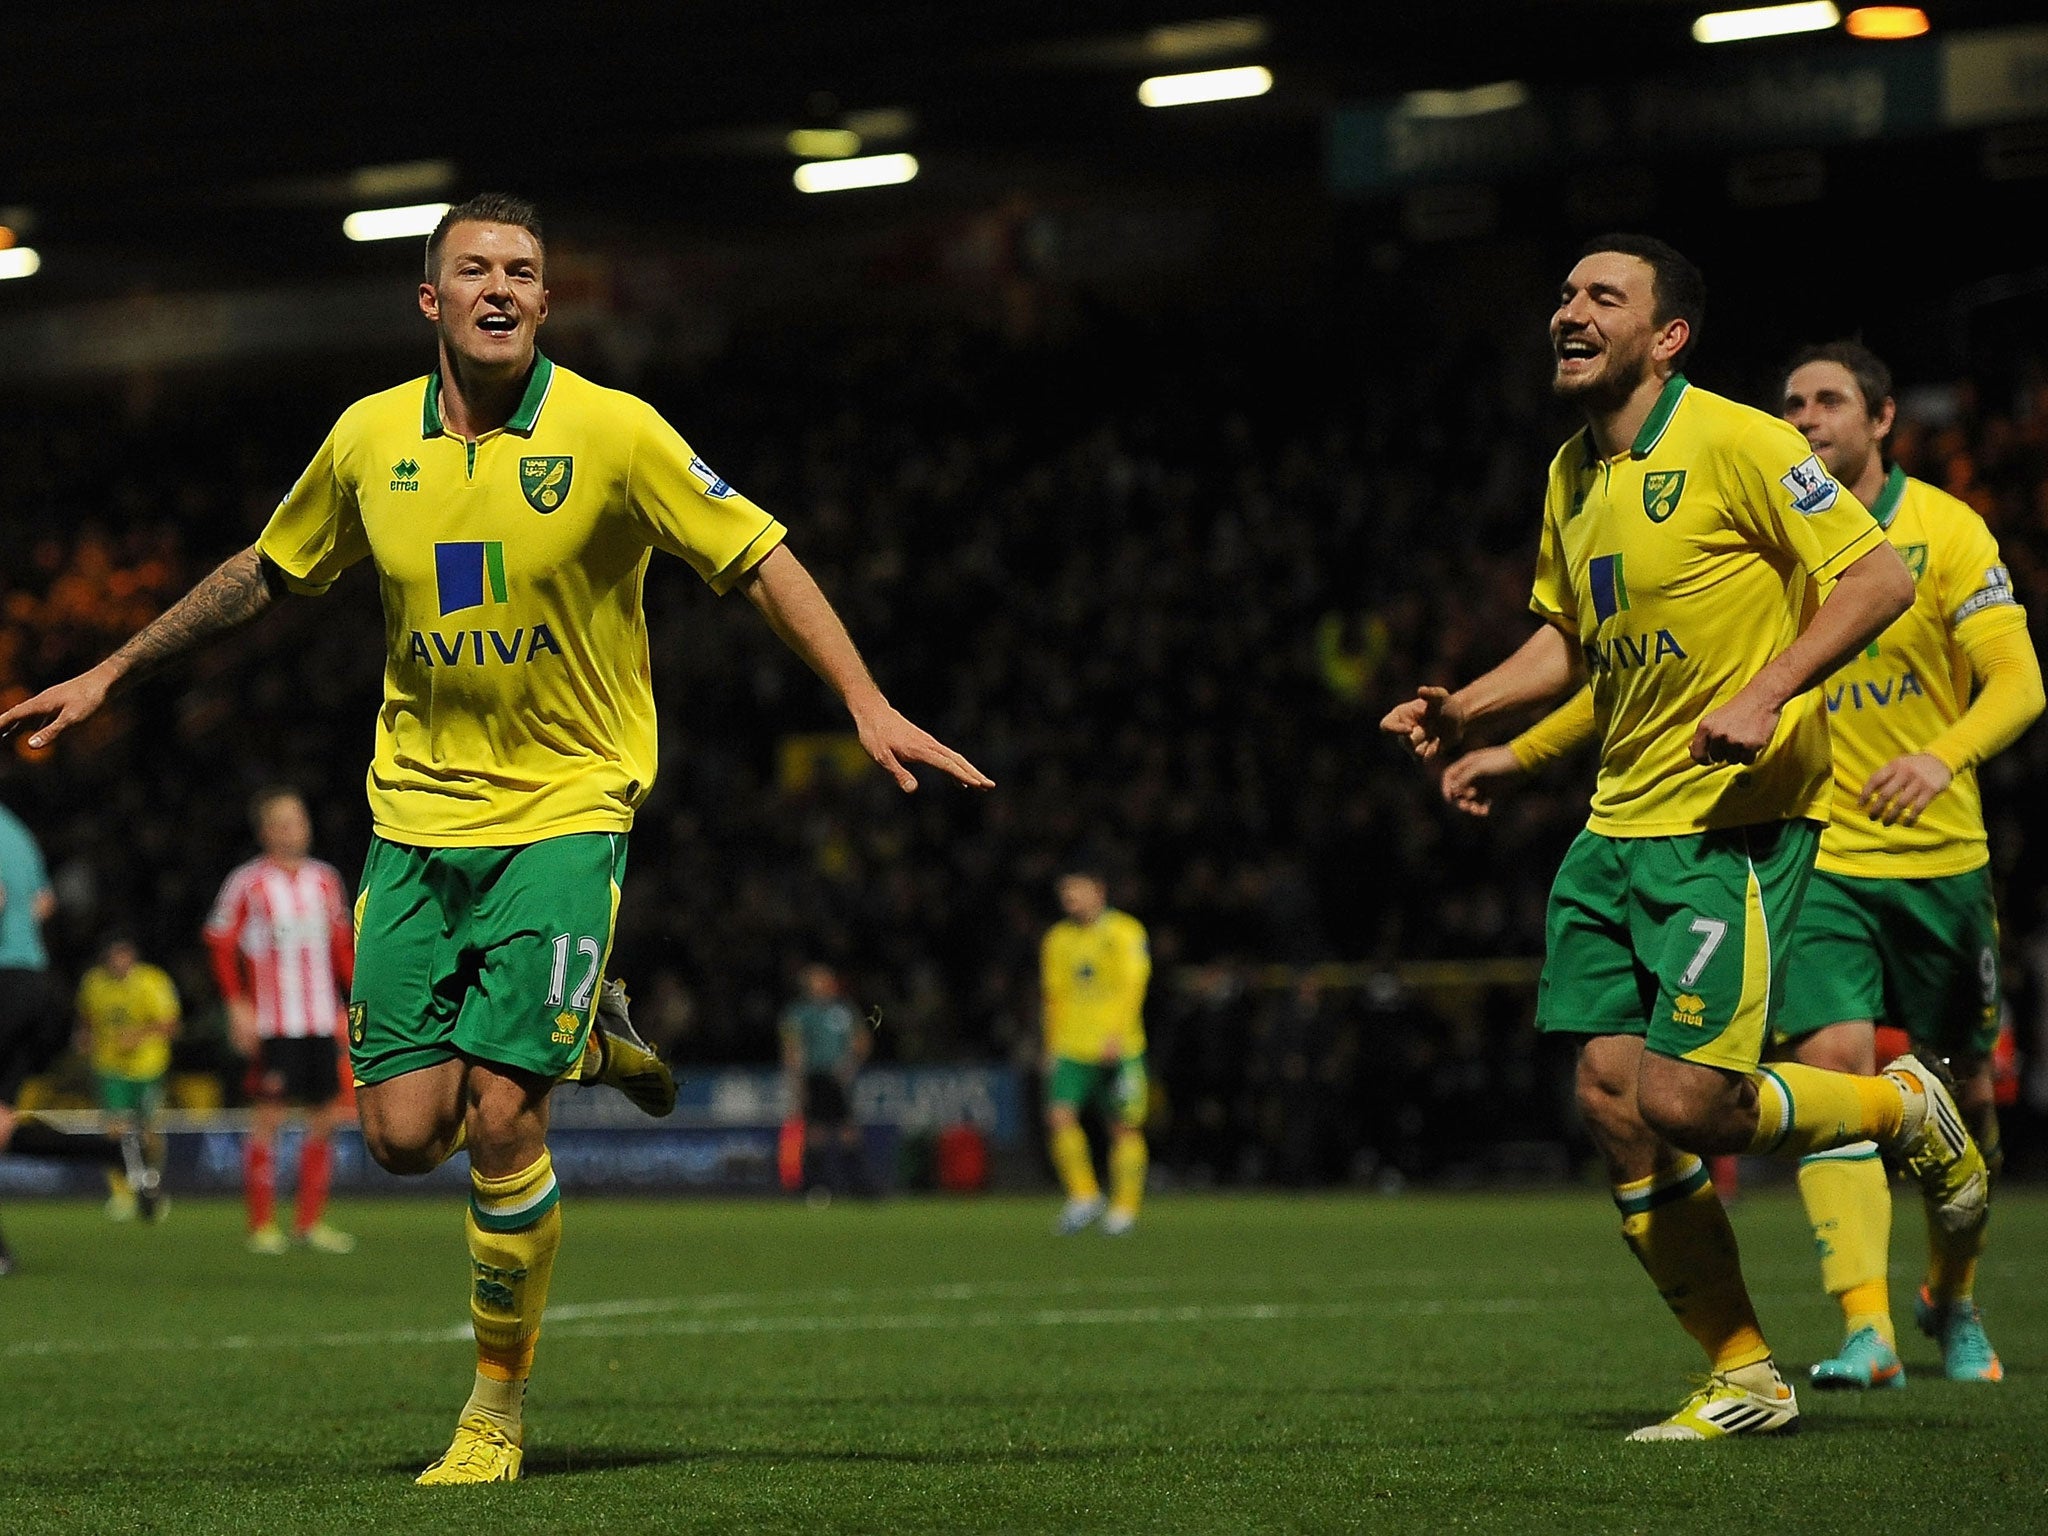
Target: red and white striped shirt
x=285 y=938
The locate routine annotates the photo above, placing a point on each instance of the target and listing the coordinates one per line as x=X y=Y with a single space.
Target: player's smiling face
x=1604 y=334
x=488 y=302
x=1824 y=401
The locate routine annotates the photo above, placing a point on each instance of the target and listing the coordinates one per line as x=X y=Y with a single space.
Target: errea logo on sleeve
x=1813 y=488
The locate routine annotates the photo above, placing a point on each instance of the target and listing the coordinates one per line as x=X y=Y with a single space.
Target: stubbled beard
x=1618 y=380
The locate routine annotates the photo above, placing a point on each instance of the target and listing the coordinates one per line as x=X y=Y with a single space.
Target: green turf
x=1240 y=1364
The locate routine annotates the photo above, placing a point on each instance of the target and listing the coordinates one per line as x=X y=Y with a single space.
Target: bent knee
x=403 y=1154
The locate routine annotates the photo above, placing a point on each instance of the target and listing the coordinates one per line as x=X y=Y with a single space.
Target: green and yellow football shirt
x=517 y=695
x=1913 y=683
x=1681 y=567
x=1093 y=977
x=124 y=1019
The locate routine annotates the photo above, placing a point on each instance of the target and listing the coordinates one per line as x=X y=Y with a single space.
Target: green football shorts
x=1681 y=940
x=1123 y=1084
x=1920 y=955
x=136 y=1097
x=494 y=954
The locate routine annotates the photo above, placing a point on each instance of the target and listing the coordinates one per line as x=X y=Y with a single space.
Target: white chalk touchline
x=588 y=1327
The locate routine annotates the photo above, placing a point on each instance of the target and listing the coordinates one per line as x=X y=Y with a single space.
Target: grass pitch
x=1239 y=1364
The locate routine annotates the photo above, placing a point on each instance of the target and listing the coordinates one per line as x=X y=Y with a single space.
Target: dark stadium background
x=1150 y=454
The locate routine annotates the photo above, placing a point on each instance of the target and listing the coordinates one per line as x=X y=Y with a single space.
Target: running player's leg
x=1594 y=987
x=1131 y=1094
x=1068 y=1088
x=318 y=1087
x=1847 y=1194
x=1717 y=914
x=540 y=927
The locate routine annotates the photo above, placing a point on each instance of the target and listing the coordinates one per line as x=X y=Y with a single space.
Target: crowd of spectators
x=1161 y=587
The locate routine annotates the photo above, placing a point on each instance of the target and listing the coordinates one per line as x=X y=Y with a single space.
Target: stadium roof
x=176 y=146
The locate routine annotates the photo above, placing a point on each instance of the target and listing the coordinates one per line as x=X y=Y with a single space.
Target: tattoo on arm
x=237 y=590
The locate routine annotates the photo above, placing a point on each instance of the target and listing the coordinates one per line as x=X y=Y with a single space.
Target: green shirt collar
x=523 y=420
x=1886 y=507
x=1660 y=417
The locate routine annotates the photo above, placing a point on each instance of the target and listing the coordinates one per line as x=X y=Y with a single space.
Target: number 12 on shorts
x=558 y=978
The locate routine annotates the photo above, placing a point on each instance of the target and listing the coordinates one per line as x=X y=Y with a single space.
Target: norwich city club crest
x=357 y=1014
x=545 y=482
x=1661 y=490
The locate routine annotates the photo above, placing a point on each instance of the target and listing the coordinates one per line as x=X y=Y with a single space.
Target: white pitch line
x=623 y=1327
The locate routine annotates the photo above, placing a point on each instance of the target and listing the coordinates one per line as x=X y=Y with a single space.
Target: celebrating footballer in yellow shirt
x=1685 y=541
x=1898 y=924
x=1094 y=966
x=509 y=508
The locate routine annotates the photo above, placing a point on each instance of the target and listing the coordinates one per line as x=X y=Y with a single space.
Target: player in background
x=283 y=954
x=1899 y=924
x=824 y=1046
x=35 y=1025
x=1683 y=537
x=1094 y=966
x=509 y=508
x=128 y=1015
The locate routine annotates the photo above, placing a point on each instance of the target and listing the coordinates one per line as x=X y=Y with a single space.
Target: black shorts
x=306 y=1070
x=35 y=1027
x=825 y=1099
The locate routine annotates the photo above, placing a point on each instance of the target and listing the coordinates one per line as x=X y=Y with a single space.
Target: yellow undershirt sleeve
x=1565 y=728
x=2008 y=701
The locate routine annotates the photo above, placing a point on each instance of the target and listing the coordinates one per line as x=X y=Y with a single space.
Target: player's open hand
x=1429 y=723
x=894 y=742
x=1904 y=787
x=1471 y=783
x=1737 y=732
x=56 y=709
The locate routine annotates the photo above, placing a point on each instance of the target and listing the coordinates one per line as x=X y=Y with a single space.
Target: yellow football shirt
x=1681 y=567
x=116 y=1009
x=1093 y=978
x=517 y=696
x=1913 y=683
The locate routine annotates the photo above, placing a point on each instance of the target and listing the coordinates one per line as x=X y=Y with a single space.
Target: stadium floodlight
x=1765 y=21
x=19 y=261
x=393 y=223
x=1475 y=101
x=823 y=143
x=864 y=171
x=1886 y=21
x=1205 y=85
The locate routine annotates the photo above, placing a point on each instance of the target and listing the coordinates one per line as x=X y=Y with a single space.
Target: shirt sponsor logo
x=469 y=574
x=1626 y=653
x=1610 y=586
x=405 y=475
x=1813 y=488
x=714 y=486
x=1995 y=593
x=1868 y=694
x=431 y=648
x=545 y=481
x=1661 y=490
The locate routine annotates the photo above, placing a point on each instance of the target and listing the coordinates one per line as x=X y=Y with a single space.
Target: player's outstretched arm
x=1867 y=597
x=241 y=587
x=1542 y=669
x=800 y=613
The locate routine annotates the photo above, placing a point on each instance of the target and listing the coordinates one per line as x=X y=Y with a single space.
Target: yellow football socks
x=1802 y=1110
x=1679 y=1231
x=1847 y=1195
x=1071 y=1161
x=1952 y=1260
x=514 y=1227
x=1126 y=1171
x=1848 y=1200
